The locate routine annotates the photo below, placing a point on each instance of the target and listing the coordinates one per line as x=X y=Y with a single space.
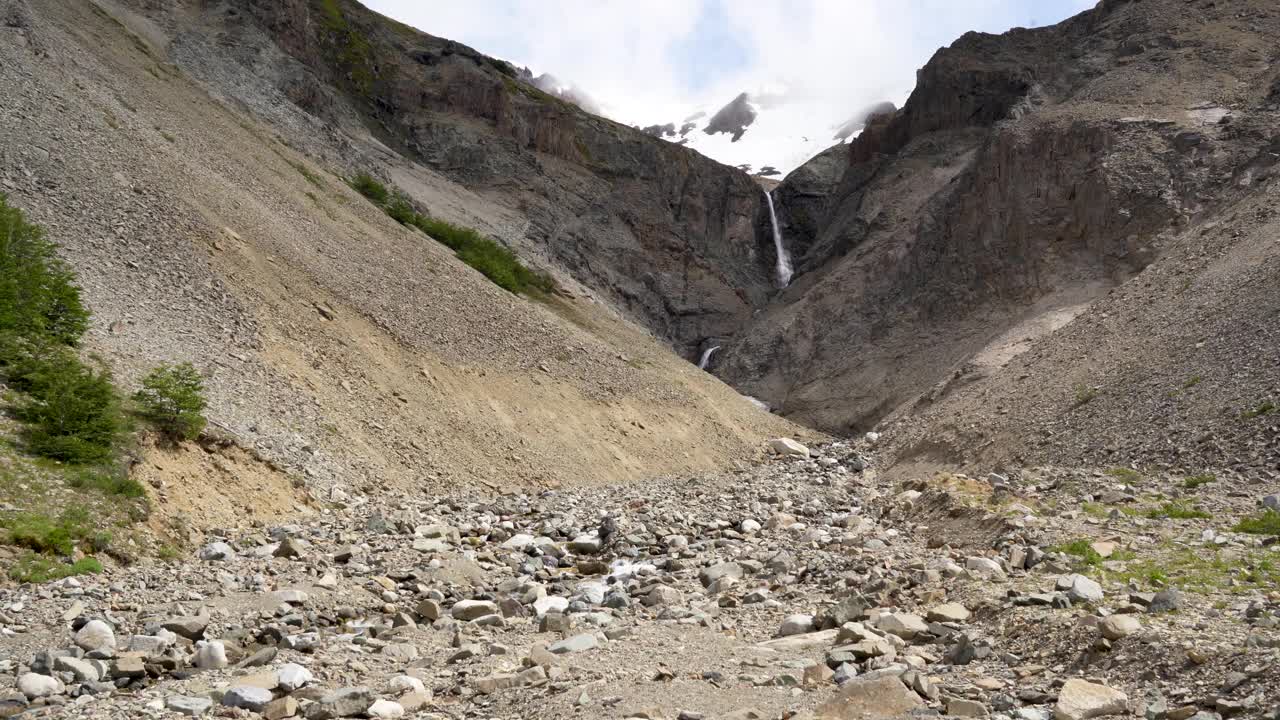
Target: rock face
x=1081 y=700
x=664 y=233
x=1018 y=179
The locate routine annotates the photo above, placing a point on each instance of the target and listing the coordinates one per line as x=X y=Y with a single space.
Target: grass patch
x=1197 y=570
x=1266 y=522
x=33 y=568
x=45 y=534
x=1176 y=511
x=1191 y=382
x=350 y=49
x=486 y=255
x=1263 y=408
x=305 y=172
x=1082 y=550
x=109 y=481
x=1125 y=475
x=1195 y=481
x=1085 y=394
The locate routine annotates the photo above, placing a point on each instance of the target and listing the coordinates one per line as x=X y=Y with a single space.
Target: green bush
x=72 y=411
x=492 y=259
x=39 y=299
x=32 y=568
x=109 y=480
x=172 y=398
x=1265 y=523
x=44 y=534
x=368 y=186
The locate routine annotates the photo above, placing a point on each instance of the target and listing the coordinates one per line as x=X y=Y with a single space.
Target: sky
x=658 y=61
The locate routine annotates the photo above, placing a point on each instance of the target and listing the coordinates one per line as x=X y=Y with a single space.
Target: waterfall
x=784 y=260
x=706 y=357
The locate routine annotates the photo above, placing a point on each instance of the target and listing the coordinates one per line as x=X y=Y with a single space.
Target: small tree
x=172 y=398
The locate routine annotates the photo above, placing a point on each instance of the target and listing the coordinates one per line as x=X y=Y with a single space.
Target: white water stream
x=784 y=259
x=706 y=357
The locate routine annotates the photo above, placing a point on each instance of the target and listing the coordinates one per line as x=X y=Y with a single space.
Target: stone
x=402 y=684
x=250 y=698
x=280 y=708
x=818 y=675
x=795 y=625
x=190 y=705
x=966 y=708
x=385 y=709
x=585 y=544
x=429 y=610
x=211 y=655
x=1082 y=589
x=291 y=547
x=722 y=570
x=1115 y=627
x=191 y=628
x=555 y=622
x=217 y=552
x=749 y=526
x=576 y=643
x=401 y=652
x=1166 y=600
x=291 y=676
x=904 y=625
x=472 y=609
x=1271 y=502
x=1080 y=700
x=128 y=667
x=877 y=696
x=550 y=603
x=34 y=685
x=96 y=635
x=985 y=567
x=948 y=612
x=347 y=702
x=788 y=448
x=148 y=645
x=663 y=595
x=83 y=670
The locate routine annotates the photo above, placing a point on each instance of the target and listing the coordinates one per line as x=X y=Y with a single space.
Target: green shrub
x=39 y=299
x=1177 y=511
x=492 y=259
x=44 y=534
x=172 y=398
x=1085 y=394
x=112 y=481
x=1265 y=523
x=1196 y=481
x=368 y=186
x=73 y=412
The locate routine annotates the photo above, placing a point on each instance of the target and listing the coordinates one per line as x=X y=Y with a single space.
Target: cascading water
x=706 y=357
x=784 y=259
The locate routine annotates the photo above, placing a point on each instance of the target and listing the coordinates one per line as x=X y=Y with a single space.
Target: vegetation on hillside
x=493 y=260
x=172 y=398
x=66 y=417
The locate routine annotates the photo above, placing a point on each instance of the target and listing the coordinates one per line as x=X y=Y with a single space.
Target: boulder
x=948 y=612
x=34 y=685
x=1115 y=627
x=472 y=609
x=795 y=625
x=788 y=448
x=250 y=698
x=217 y=552
x=1080 y=700
x=96 y=635
x=904 y=625
x=875 y=696
x=191 y=706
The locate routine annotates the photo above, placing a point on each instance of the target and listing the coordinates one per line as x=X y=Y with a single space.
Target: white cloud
x=829 y=57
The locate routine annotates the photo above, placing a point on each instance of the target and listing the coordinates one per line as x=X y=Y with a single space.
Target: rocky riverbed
x=804 y=586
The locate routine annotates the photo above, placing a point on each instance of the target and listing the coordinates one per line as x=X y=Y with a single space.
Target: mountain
x=1049 y=254
x=764 y=134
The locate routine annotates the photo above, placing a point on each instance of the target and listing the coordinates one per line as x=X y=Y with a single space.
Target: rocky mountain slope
x=211 y=222
x=1122 y=158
